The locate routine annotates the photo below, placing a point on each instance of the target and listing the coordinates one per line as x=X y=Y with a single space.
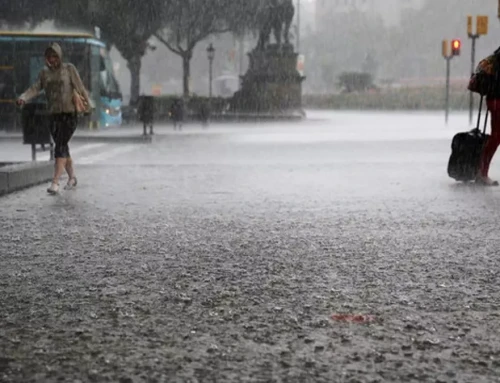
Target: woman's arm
x=33 y=91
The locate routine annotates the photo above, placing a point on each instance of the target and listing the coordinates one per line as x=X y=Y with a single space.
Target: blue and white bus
x=21 y=59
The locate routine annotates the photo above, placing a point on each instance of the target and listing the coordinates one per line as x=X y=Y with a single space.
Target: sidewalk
x=22 y=175
x=128 y=133
x=133 y=132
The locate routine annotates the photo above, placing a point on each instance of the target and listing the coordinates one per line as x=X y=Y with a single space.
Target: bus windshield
x=109 y=85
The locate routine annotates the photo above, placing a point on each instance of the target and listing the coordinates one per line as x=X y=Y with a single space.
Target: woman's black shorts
x=63 y=126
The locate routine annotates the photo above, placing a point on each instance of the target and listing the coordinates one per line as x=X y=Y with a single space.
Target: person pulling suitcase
x=485 y=81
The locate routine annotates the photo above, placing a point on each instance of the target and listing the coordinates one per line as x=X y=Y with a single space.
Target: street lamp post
x=211 y=55
x=455 y=51
x=298 y=25
x=481 y=29
x=473 y=37
x=94 y=8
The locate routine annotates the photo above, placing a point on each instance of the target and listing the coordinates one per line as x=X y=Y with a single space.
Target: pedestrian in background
x=66 y=97
x=177 y=113
x=205 y=112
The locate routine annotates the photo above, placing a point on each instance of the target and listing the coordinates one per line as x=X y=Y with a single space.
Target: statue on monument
x=272 y=83
x=277 y=19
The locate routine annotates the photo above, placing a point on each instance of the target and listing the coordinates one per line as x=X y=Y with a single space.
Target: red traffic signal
x=455 y=47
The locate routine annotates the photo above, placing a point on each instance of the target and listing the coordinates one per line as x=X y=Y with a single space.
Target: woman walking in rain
x=66 y=97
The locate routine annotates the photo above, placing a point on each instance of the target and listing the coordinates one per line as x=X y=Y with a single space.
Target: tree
x=355 y=81
x=130 y=31
x=193 y=21
x=125 y=24
x=23 y=12
x=370 y=65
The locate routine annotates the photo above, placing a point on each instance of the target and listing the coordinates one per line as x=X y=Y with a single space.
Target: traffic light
x=444 y=48
x=455 y=47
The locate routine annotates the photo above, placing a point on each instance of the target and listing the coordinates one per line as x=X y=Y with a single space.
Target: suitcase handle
x=479 y=116
x=485 y=120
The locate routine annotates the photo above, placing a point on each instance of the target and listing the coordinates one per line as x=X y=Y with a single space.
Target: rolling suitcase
x=466 y=151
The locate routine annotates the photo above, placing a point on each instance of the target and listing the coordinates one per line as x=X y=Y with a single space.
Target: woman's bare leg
x=69 y=168
x=59 y=169
x=491 y=144
x=64 y=126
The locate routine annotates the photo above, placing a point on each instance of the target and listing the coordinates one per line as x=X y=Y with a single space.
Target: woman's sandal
x=486 y=181
x=72 y=182
x=53 y=188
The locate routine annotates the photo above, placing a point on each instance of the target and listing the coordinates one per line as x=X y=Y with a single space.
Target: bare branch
x=166 y=43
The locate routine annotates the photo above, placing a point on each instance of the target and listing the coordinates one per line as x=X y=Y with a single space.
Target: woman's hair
x=49 y=51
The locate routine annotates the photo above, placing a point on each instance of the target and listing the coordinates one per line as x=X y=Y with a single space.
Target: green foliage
x=22 y=13
x=425 y=98
x=355 y=81
x=192 y=21
x=245 y=16
x=125 y=24
x=130 y=24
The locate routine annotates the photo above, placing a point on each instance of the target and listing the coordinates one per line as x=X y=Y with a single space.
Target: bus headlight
x=111 y=111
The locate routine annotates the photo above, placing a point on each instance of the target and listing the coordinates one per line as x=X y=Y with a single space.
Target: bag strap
x=68 y=72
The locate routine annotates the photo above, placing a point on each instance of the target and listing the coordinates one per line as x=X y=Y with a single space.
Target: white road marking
x=45 y=156
x=108 y=154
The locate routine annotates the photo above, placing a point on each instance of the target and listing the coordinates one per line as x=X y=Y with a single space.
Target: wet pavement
x=221 y=255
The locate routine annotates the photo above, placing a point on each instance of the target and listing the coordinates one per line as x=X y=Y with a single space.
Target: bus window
x=6 y=85
x=7 y=90
x=29 y=61
x=7 y=56
x=75 y=54
x=109 y=85
x=95 y=84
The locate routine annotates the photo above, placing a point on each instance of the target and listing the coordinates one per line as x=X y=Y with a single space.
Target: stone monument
x=272 y=83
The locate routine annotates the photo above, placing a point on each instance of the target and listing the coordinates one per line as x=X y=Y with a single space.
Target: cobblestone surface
x=221 y=256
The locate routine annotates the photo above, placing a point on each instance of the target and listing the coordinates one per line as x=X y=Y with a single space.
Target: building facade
x=389 y=10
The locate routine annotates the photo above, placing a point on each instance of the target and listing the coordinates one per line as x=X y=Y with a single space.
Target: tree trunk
x=186 y=70
x=134 y=65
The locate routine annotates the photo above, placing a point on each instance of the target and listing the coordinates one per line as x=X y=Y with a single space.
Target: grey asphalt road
x=221 y=255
